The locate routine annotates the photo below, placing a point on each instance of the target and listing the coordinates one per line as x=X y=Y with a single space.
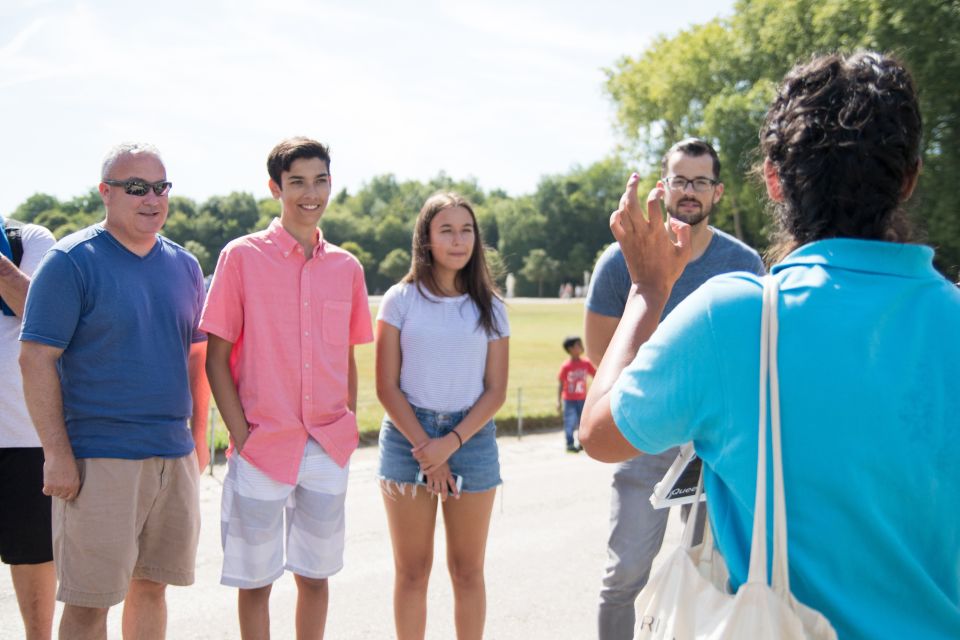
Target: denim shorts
x=478 y=460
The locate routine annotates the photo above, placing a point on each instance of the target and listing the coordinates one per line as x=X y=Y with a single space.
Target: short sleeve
x=361 y=330
x=36 y=242
x=392 y=308
x=223 y=310
x=610 y=284
x=54 y=301
x=501 y=320
x=671 y=390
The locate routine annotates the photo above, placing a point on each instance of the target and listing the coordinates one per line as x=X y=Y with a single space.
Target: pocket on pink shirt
x=336 y=322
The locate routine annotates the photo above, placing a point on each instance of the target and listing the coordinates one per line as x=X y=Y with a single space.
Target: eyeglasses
x=679 y=183
x=139 y=188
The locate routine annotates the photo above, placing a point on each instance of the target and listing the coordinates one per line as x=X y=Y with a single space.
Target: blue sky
x=503 y=91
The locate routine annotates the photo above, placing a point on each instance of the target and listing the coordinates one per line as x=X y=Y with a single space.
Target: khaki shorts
x=132 y=519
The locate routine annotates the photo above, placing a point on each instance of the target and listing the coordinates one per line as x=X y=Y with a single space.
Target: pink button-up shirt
x=292 y=322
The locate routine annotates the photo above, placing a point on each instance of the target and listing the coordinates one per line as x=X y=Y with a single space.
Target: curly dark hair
x=844 y=137
x=474 y=278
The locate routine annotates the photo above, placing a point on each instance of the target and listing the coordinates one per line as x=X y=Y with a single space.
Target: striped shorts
x=252 y=513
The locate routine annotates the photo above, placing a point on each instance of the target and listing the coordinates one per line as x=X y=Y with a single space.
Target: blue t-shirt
x=610 y=284
x=125 y=324
x=869 y=359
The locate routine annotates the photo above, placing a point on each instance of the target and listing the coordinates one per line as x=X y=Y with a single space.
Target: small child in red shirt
x=573 y=389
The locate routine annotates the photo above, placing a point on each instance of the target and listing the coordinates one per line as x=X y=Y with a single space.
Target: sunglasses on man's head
x=135 y=187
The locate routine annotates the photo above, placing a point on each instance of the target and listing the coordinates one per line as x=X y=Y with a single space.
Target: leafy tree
x=466 y=188
x=392 y=233
x=180 y=220
x=381 y=188
x=365 y=257
x=538 y=267
x=566 y=218
x=498 y=268
x=340 y=225
x=182 y=205
x=221 y=219
x=487 y=222
x=52 y=219
x=395 y=265
x=577 y=208
x=268 y=209
x=199 y=251
x=61 y=218
x=521 y=228
x=90 y=204
x=34 y=206
x=716 y=79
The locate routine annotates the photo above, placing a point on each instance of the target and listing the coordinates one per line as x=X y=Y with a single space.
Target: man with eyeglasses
x=690 y=180
x=110 y=318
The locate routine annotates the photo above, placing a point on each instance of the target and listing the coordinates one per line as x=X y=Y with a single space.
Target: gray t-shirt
x=444 y=351
x=610 y=283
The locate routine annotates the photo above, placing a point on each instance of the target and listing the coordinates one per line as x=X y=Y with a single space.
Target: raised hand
x=653 y=259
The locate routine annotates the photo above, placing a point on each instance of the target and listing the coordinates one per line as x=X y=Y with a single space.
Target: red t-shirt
x=573 y=377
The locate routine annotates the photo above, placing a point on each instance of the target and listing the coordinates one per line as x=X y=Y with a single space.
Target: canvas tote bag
x=688 y=596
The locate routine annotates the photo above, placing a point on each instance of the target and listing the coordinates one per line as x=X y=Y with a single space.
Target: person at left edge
x=110 y=318
x=24 y=509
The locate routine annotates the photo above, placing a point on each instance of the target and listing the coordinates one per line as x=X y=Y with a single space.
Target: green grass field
x=537 y=330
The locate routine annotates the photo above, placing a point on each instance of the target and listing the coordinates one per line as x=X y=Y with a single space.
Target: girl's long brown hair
x=474 y=278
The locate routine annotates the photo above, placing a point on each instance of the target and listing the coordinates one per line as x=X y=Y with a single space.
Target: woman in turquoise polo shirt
x=869 y=360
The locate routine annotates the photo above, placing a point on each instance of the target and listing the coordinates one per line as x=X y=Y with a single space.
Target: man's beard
x=691 y=216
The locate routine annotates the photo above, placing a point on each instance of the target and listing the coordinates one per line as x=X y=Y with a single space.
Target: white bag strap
x=758 y=543
x=781 y=577
x=769 y=329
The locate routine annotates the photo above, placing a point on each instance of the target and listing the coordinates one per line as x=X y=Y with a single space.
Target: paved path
x=545 y=557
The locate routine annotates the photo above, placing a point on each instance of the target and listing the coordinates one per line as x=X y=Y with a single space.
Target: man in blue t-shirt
x=109 y=321
x=690 y=173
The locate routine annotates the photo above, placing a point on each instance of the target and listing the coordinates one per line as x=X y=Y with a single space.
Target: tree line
x=547 y=238
x=712 y=80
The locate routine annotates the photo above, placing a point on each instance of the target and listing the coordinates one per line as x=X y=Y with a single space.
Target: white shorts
x=252 y=521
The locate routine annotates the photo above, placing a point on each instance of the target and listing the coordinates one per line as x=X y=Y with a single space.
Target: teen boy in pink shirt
x=284 y=312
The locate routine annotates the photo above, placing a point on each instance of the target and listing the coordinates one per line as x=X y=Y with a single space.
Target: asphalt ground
x=545 y=558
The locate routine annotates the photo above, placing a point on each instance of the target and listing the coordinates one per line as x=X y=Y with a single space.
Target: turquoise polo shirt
x=869 y=364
